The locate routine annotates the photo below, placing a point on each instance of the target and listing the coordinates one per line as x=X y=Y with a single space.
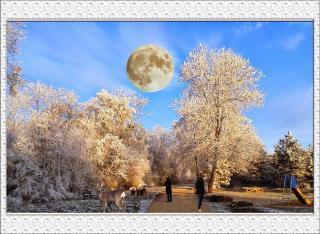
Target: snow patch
x=144 y=205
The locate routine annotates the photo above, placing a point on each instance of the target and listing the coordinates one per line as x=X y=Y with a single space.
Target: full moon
x=150 y=68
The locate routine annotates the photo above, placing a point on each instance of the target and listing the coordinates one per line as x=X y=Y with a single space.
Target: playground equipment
x=291 y=183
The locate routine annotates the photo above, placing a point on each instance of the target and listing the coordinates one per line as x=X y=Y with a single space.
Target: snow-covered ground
x=218 y=207
x=223 y=207
x=134 y=204
x=144 y=205
x=63 y=206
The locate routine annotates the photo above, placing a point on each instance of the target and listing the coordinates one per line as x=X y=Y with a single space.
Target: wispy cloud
x=81 y=57
x=214 y=40
x=249 y=27
x=88 y=56
x=289 y=111
x=292 y=42
x=293 y=109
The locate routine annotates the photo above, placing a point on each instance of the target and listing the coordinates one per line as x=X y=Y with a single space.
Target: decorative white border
x=160 y=10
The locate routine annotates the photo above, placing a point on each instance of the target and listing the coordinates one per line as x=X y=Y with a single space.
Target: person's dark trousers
x=200 y=198
x=169 y=197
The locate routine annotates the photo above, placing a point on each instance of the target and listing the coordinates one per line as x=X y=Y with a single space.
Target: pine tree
x=308 y=178
x=263 y=172
x=290 y=159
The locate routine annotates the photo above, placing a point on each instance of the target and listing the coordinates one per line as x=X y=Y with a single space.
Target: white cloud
x=79 y=57
x=291 y=43
x=246 y=28
x=87 y=57
x=214 y=40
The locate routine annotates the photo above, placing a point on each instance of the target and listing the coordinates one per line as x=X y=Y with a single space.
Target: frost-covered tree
x=308 y=178
x=57 y=146
x=46 y=114
x=288 y=156
x=41 y=129
x=111 y=160
x=291 y=159
x=15 y=34
x=110 y=114
x=139 y=166
x=74 y=145
x=157 y=142
x=220 y=86
x=117 y=138
x=186 y=137
x=262 y=171
x=136 y=102
x=223 y=173
x=162 y=155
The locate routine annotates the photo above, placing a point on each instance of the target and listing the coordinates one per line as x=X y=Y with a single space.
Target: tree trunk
x=213 y=170
x=197 y=171
x=212 y=175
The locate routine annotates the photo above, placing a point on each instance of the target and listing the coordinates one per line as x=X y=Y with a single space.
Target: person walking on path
x=168 y=190
x=199 y=191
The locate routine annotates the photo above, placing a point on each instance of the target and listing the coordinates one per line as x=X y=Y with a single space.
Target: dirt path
x=183 y=201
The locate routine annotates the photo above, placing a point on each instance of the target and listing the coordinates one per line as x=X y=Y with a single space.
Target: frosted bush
x=13 y=202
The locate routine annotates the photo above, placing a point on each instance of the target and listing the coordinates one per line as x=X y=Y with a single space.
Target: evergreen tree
x=308 y=178
x=290 y=159
x=264 y=172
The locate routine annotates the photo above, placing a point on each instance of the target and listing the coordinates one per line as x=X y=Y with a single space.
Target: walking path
x=183 y=201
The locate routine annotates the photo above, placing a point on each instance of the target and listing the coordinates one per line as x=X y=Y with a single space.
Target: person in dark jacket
x=168 y=190
x=200 y=191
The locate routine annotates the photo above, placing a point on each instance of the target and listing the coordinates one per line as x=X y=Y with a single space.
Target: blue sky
x=88 y=56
